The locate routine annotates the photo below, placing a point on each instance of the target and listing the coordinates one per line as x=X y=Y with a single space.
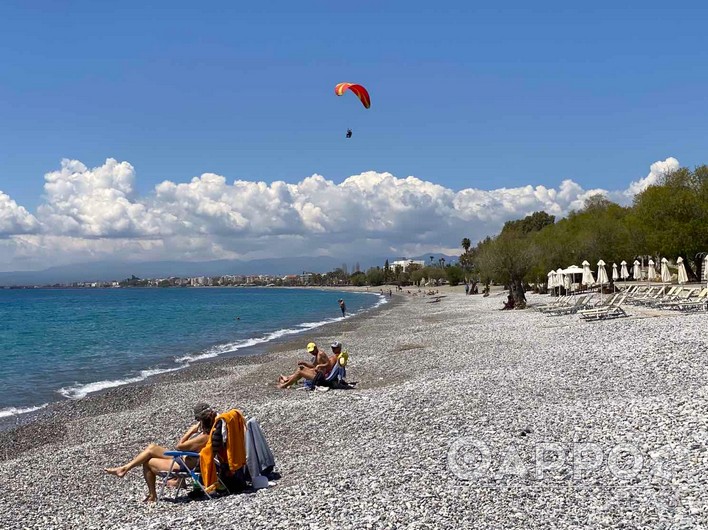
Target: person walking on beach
x=342 y=306
x=153 y=458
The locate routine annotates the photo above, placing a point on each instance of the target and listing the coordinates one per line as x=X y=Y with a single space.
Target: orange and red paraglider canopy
x=358 y=90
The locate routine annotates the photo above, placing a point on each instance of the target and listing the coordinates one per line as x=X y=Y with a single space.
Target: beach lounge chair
x=581 y=302
x=558 y=302
x=679 y=295
x=613 y=310
x=659 y=298
x=650 y=294
x=693 y=303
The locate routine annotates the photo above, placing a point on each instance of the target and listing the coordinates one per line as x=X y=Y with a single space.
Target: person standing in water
x=342 y=306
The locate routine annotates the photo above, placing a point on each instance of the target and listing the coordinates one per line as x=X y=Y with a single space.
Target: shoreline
x=114 y=397
x=33 y=412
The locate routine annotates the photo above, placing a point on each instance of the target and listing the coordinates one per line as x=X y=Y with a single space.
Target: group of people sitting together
x=324 y=372
x=220 y=452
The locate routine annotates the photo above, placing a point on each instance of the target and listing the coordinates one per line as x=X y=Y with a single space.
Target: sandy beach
x=464 y=417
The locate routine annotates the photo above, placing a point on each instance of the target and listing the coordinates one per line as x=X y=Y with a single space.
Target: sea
x=60 y=344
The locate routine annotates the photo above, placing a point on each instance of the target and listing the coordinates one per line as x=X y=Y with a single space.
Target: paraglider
x=358 y=90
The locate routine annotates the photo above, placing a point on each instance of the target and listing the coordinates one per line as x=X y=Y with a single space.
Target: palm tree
x=466 y=244
x=431 y=259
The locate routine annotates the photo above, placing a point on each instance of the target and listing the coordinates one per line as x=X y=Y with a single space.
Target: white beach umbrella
x=637 y=270
x=559 y=279
x=602 y=278
x=587 y=274
x=682 y=276
x=615 y=274
x=651 y=272
x=665 y=274
x=624 y=273
x=568 y=282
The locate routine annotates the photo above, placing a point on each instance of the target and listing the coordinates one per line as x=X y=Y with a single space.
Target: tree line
x=668 y=219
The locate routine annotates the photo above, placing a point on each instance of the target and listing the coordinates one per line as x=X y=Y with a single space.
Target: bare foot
x=117 y=471
x=150 y=498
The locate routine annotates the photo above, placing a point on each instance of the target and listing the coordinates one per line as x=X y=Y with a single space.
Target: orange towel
x=234 y=453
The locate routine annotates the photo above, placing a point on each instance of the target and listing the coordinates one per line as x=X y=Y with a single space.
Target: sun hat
x=200 y=409
x=336 y=344
x=311 y=347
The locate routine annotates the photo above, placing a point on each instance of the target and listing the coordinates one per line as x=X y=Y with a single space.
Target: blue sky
x=498 y=111
x=463 y=96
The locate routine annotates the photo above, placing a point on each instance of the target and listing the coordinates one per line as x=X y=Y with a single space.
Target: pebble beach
x=463 y=417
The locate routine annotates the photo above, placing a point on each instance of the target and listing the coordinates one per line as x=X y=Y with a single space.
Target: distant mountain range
x=114 y=271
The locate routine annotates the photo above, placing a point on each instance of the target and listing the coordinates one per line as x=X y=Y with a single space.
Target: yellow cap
x=311 y=347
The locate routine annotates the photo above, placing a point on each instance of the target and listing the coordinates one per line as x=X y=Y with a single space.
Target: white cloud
x=14 y=219
x=656 y=171
x=91 y=214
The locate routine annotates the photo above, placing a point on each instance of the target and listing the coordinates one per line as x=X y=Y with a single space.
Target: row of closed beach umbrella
x=564 y=277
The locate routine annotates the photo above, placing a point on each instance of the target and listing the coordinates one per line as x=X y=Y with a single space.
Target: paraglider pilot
x=349 y=133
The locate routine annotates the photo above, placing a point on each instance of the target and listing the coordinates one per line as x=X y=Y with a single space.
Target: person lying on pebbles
x=153 y=458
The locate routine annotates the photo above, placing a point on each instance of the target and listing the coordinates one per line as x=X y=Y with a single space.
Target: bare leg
x=151 y=451
x=150 y=470
x=302 y=373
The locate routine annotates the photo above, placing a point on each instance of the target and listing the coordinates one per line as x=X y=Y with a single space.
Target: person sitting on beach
x=321 y=364
x=153 y=458
x=509 y=304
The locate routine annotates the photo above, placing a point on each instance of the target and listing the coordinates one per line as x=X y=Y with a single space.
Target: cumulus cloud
x=14 y=219
x=94 y=202
x=95 y=213
x=656 y=171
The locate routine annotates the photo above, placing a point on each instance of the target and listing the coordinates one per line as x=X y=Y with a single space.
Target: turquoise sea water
x=59 y=344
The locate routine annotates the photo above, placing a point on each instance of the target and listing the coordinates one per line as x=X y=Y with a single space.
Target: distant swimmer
x=238 y=318
x=349 y=133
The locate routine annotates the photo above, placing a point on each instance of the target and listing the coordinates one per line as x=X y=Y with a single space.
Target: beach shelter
x=615 y=274
x=682 y=276
x=569 y=274
x=624 y=273
x=602 y=278
x=651 y=272
x=587 y=274
x=637 y=270
x=665 y=273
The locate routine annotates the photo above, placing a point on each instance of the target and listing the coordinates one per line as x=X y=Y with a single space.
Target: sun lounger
x=692 y=303
x=658 y=298
x=680 y=295
x=581 y=302
x=558 y=302
x=613 y=310
x=652 y=293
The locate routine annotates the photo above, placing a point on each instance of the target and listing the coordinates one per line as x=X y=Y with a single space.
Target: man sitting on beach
x=153 y=458
x=321 y=365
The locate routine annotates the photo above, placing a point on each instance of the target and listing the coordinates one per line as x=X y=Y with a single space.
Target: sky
x=196 y=132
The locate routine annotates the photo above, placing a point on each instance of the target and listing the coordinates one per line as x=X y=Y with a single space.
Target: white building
x=405 y=263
